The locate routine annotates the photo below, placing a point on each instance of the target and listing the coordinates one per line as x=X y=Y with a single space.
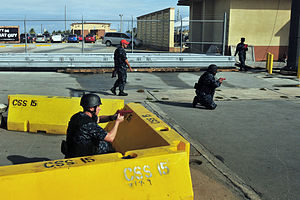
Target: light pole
x=65 y=18
x=121 y=22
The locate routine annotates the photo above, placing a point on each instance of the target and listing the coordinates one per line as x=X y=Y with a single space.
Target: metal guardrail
x=95 y=60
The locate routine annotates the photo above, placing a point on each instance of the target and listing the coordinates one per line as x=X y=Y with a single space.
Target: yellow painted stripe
x=2 y=46
x=19 y=45
x=43 y=45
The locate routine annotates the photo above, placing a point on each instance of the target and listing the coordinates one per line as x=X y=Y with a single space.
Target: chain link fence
x=102 y=36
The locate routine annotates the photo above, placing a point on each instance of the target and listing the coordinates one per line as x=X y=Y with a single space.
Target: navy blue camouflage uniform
x=205 y=89
x=85 y=137
x=241 y=49
x=121 y=68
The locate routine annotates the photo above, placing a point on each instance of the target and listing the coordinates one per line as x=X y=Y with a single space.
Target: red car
x=90 y=38
x=80 y=38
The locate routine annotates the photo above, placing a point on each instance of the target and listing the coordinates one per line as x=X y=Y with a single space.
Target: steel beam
x=137 y=60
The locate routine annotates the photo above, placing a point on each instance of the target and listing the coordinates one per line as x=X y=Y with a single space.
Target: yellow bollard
x=271 y=63
x=298 y=74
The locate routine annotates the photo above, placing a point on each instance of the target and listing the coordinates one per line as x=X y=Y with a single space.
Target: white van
x=56 y=38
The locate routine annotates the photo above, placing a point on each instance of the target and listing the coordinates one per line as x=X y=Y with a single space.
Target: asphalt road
x=254 y=130
x=258 y=140
x=97 y=47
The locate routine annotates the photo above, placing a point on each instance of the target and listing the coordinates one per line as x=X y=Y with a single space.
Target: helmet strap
x=92 y=112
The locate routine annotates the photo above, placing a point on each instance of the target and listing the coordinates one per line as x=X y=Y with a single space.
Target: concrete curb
x=222 y=168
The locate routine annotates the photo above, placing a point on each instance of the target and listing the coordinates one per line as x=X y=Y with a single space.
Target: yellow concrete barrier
x=50 y=114
x=158 y=168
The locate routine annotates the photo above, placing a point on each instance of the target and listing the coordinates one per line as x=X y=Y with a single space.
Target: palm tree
x=32 y=31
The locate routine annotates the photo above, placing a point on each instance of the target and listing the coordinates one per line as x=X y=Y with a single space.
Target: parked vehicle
x=136 y=42
x=73 y=38
x=23 y=38
x=114 y=38
x=90 y=38
x=33 y=37
x=48 y=37
x=56 y=38
x=80 y=38
x=41 y=38
x=65 y=37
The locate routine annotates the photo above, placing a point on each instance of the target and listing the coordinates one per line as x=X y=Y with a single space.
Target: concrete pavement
x=215 y=167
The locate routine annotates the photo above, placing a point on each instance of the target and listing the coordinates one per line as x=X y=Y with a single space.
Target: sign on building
x=9 y=34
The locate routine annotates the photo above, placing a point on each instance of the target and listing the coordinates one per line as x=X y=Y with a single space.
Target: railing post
x=132 y=36
x=181 y=35
x=82 y=43
x=25 y=35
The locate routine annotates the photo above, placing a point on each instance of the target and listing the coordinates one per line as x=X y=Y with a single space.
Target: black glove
x=113 y=117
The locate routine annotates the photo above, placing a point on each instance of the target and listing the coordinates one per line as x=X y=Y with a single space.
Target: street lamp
x=121 y=23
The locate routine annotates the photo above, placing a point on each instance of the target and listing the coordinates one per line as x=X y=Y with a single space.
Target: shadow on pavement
x=16 y=159
x=3 y=122
x=182 y=104
x=79 y=92
x=252 y=69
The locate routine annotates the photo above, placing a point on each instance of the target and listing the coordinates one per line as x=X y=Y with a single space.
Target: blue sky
x=92 y=9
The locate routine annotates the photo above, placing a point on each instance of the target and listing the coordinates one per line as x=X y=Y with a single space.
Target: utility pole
x=121 y=22
x=82 y=28
x=65 y=18
x=25 y=32
x=294 y=39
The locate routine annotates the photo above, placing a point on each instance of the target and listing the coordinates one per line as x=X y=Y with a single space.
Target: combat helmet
x=90 y=101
